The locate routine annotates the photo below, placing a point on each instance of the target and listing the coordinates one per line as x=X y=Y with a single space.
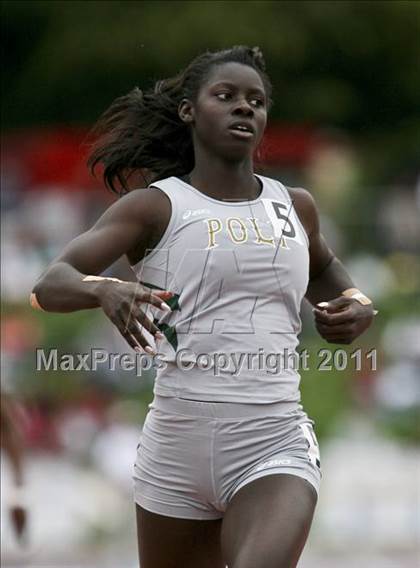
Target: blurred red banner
x=57 y=156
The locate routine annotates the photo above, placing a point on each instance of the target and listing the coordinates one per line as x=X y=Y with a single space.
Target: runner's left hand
x=342 y=320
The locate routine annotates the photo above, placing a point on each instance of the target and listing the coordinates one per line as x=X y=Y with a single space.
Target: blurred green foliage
x=351 y=65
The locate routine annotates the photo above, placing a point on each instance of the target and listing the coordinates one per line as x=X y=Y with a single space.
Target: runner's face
x=230 y=113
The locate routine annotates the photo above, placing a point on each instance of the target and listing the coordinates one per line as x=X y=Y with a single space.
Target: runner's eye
x=224 y=96
x=257 y=102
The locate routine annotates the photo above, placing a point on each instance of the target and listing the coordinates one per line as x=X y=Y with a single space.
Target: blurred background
x=345 y=125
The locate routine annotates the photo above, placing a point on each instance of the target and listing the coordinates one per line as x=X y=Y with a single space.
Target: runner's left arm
x=345 y=312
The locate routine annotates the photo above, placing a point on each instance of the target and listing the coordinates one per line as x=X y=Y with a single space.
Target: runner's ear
x=186 y=111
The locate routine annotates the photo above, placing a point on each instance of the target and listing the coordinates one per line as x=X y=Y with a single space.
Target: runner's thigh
x=267 y=522
x=168 y=542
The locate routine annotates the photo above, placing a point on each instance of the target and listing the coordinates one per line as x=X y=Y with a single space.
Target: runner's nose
x=243 y=107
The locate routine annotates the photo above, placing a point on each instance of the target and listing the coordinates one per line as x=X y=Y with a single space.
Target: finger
x=130 y=339
x=140 y=310
x=138 y=343
x=341 y=329
x=335 y=305
x=132 y=335
x=332 y=334
x=164 y=294
x=344 y=316
x=135 y=326
x=140 y=318
x=145 y=348
x=144 y=295
x=134 y=330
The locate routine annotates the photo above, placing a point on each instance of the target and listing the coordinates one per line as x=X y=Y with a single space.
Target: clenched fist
x=343 y=319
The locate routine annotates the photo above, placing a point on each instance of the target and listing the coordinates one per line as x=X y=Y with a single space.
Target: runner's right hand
x=122 y=303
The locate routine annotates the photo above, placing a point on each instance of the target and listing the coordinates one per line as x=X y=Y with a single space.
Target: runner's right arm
x=130 y=226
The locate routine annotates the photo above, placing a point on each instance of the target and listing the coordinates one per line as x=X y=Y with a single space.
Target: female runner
x=227 y=470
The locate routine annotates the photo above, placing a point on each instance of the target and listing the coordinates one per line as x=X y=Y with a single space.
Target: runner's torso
x=238 y=271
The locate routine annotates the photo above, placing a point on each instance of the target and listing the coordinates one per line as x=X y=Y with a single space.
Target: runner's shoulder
x=305 y=207
x=148 y=205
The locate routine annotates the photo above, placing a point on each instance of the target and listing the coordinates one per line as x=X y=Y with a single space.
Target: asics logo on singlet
x=273 y=463
x=194 y=212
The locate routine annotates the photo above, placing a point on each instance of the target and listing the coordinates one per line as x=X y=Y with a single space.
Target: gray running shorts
x=194 y=456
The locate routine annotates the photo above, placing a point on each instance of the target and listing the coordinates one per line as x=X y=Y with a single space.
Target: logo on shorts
x=273 y=463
